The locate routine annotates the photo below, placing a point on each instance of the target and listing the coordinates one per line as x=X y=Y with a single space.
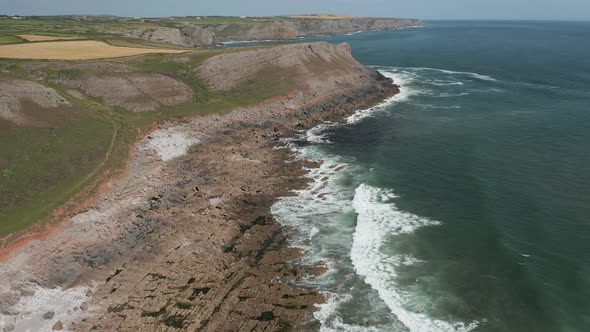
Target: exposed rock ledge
x=189 y=243
x=196 y=35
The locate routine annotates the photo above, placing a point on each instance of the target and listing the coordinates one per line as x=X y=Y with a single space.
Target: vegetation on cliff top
x=45 y=163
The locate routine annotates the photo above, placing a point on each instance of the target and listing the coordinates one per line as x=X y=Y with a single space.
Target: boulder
x=48 y=315
x=59 y=325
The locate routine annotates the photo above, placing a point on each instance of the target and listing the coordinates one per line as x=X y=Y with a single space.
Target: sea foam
x=378 y=218
x=314 y=215
x=402 y=80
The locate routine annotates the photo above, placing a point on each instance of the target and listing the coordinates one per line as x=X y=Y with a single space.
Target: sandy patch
x=170 y=143
x=35 y=38
x=73 y=50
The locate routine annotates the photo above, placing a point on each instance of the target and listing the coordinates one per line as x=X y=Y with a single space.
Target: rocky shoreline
x=196 y=34
x=185 y=240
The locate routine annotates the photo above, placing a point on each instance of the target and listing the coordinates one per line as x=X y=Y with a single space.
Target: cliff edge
x=195 y=34
x=185 y=239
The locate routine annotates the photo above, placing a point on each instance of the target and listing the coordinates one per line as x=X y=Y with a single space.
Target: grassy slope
x=43 y=168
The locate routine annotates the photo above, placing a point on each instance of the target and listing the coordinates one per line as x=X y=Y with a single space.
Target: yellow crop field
x=36 y=38
x=74 y=50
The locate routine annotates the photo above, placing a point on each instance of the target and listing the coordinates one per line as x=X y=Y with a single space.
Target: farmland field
x=73 y=50
x=37 y=38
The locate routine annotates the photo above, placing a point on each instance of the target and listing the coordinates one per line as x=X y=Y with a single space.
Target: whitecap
x=451 y=72
x=322 y=197
x=330 y=319
x=450 y=95
x=437 y=106
x=402 y=80
x=317 y=134
x=442 y=83
x=378 y=218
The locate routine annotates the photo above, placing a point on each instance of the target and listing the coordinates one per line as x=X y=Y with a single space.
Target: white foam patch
x=330 y=318
x=317 y=135
x=437 y=106
x=353 y=33
x=450 y=95
x=170 y=143
x=321 y=198
x=402 y=80
x=65 y=303
x=464 y=73
x=378 y=218
x=443 y=83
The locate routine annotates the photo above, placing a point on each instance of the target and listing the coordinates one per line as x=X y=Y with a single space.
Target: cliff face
x=316 y=66
x=190 y=35
x=280 y=29
x=318 y=27
x=16 y=93
x=277 y=30
x=190 y=243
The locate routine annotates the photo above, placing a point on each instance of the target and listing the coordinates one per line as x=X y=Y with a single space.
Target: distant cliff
x=198 y=35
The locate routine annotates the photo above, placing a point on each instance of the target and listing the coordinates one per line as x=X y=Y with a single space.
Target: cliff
x=316 y=66
x=194 y=34
x=189 y=35
x=185 y=239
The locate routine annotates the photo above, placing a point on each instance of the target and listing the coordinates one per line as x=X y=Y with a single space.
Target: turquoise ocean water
x=462 y=204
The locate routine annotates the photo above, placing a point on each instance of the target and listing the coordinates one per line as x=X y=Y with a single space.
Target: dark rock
x=59 y=325
x=48 y=315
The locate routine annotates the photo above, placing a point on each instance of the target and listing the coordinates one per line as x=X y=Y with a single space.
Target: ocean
x=463 y=203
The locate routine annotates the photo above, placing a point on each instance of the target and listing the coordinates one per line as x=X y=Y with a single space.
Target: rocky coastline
x=185 y=239
x=205 y=35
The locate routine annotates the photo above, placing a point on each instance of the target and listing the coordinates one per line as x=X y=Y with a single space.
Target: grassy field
x=10 y=40
x=43 y=168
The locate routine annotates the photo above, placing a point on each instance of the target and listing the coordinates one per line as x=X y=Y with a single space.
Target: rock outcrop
x=190 y=35
x=137 y=92
x=22 y=102
x=275 y=30
x=307 y=66
x=190 y=243
x=195 y=35
x=314 y=27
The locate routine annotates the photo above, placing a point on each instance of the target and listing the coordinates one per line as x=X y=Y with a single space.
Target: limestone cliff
x=190 y=244
x=195 y=34
x=189 y=35
x=316 y=66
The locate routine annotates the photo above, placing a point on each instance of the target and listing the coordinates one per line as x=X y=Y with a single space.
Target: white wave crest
x=443 y=83
x=378 y=218
x=402 y=80
x=320 y=198
x=452 y=72
x=449 y=95
x=330 y=319
x=317 y=134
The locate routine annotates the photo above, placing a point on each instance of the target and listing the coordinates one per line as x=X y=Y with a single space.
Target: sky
x=423 y=9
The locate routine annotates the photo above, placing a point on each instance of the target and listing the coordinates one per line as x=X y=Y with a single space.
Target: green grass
x=43 y=168
x=10 y=40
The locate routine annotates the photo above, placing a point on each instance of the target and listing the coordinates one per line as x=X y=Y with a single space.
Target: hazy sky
x=426 y=9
